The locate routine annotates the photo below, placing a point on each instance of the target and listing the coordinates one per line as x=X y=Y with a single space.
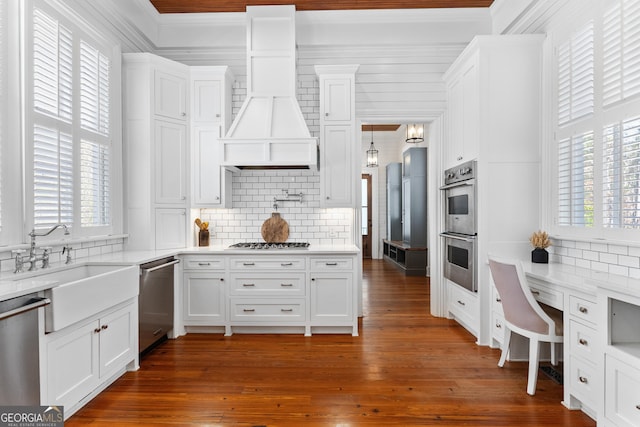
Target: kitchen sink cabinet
x=210 y=119
x=337 y=136
x=156 y=135
x=85 y=358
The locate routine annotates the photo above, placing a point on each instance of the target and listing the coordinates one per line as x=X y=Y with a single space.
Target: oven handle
x=471 y=181
x=457 y=237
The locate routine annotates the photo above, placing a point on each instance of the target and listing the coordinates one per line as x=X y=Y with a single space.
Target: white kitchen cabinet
x=171 y=224
x=338 y=137
x=210 y=119
x=203 y=291
x=622 y=400
x=83 y=357
x=494 y=92
x=332 y=293
x=336 y=171
x=156 y=143
x=170 y=95
x=463 y=306
x=170 y=150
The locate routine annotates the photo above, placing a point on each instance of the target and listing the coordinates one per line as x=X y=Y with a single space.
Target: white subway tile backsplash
x=617 y=269
x=600 y=266
x=612 y=258
x=600 y=247
x=590 y=255
x=620 y=250
x=583 y=245
x=608 y=258
x=629 y=261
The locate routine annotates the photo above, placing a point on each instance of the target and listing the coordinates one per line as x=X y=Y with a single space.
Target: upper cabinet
x=170 y=95
x=338 y=140
x=464 y=109
x=210 y=117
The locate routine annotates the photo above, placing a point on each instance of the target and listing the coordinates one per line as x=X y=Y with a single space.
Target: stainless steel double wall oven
x=460 y=225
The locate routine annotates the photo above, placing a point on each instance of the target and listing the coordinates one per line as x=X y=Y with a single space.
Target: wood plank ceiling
x=199 y=6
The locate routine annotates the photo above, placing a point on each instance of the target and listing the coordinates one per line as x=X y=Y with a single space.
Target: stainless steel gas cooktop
x=263 y=245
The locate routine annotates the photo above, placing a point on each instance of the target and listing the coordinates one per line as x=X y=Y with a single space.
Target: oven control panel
x=461 y=172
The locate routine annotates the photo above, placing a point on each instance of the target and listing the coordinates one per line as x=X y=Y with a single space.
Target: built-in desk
x=601 y=338
x=410 y=259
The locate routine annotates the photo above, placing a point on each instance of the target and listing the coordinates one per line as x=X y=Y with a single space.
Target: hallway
x=405 y=369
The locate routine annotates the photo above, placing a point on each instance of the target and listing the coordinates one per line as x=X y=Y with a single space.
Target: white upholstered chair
x=524 y=316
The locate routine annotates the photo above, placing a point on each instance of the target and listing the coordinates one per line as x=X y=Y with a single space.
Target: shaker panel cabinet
x=207 y=106
x=337 y=99
x=463 y=114
x=170 y=162
x=170 y=228
x=204 y=299
x=336 y=172
x=170 y=95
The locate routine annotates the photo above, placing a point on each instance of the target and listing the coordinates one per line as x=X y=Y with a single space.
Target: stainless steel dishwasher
x=155 y=302
x=19 y=350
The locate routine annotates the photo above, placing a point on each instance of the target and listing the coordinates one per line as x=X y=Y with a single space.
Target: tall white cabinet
x=337 y=135
x=493 y=115
x=156 y=132
x=211 y=116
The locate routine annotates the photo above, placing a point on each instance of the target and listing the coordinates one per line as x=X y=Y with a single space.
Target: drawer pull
x=583 y=310
x=103 y=327
x=498 y=325
x=286 y=264
x=248 y=263
x=96 y=330
x=583 y=380
x=582 y=341
x=249 y=310
x=534 y=292
x=331 y=263
x=286 y=310
x=248 y=285
x=461 y=303
x=202 y=264
x=638 y=407
x=288 y=285
x=498 y=300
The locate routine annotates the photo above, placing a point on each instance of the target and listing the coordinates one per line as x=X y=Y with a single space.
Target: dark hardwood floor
x=406 y=368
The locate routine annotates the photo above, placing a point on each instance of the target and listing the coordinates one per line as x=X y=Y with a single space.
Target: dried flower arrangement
x=540 y=239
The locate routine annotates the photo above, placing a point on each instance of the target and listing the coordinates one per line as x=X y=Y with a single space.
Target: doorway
x=367 y=219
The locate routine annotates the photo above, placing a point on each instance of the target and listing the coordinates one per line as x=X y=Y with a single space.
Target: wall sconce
x=415 y=133
x=372 y=154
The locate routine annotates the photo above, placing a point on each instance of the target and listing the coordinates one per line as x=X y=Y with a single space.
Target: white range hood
x=269 y=130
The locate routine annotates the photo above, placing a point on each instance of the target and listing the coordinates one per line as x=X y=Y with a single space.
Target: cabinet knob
x=218 y=115
x=327 y=197
x=326 y=114
x=583 y=310
x=638 y=407
x=103 y=327
x=217 y=197
x=183 y=114
x=96 y=330
x=498 y=325
x=461 y=303
x=582 y=341
x=459 y=158
x=313 y=280
x=583 y=380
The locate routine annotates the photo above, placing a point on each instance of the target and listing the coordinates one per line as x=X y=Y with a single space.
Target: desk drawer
x=582 y=341
x=265 y=311
x=583 y=309
x=546 y=295
x=582 y=381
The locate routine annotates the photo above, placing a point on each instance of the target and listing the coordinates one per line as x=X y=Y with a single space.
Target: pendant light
x=372 y=154
x=415 y=133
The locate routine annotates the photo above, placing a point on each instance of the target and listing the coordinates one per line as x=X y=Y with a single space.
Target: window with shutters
x=597 y=130
x=71 y=127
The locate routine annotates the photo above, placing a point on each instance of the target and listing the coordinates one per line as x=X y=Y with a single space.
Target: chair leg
x=534 y=359
x=505 y=346
x=554 y=354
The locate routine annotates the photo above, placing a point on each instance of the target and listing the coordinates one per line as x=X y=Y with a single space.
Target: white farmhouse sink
x=86 y=290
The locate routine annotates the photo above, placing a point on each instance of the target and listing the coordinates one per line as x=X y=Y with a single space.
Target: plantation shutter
x=575 y=76
x=575 y=181
x=3 y=106
x=52 y=139
x=621 y=38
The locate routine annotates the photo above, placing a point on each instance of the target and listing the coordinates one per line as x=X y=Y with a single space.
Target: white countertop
x=15 y=285
x=582 y=279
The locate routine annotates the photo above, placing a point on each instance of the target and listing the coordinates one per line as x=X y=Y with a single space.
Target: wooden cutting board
x=275 y=229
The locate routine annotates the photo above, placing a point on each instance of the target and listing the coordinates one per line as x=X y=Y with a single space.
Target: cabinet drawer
x=582 y=309
x=463 y=305
x=582 y=381
x=496 y=302
x=497 y=327
x=267 y=263
x=266 y=311
x=545 y=295
x=261 y=284
x=621 y=398
x=582 y=341
x=326 y=264
x=203 y=263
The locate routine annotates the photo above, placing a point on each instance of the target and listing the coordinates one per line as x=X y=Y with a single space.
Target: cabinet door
x=331 y=298
x=72 y=364
x=203 y=297
x=470 y=114
x=453 y=148
x=621 y=399
x=207 y=101
x=211 y=182
x=406 y=210
x=170 y=95
x=336 y=168
x=170 y=162
x=118 y=344
x=337 y=99
x=171 y=228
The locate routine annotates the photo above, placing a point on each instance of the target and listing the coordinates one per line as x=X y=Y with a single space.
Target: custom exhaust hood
x=269 y=131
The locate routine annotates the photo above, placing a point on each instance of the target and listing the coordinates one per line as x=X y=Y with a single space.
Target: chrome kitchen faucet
x=33 y=257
